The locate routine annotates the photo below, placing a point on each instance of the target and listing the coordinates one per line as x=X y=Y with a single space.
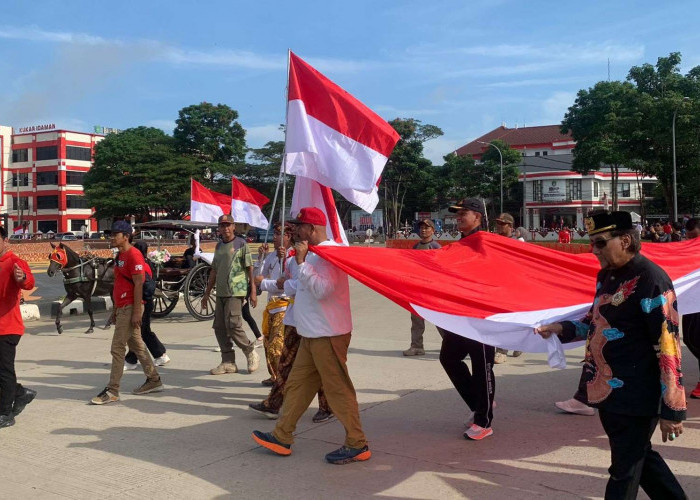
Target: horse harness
x=62 y=259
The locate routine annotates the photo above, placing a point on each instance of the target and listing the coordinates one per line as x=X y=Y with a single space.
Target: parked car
x=146 y=235
x=66 y=237
x=18 y=237
x=97 y=236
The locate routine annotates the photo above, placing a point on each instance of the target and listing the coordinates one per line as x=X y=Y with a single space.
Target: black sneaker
x=269 y=441
x=6 y=420
x=23 y=400
x=322 y=416
x=264 y=410
x=345 y=455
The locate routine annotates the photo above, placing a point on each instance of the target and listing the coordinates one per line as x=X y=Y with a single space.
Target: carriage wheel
x=194 y=288
x=164 y=300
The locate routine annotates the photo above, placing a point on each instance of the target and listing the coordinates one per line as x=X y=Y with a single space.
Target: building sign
x=554 y=190
x=99 y=129
x=362 y=220
x=37 y=128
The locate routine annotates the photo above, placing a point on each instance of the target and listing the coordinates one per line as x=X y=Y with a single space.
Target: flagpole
x=284 y=155
x=274 y=202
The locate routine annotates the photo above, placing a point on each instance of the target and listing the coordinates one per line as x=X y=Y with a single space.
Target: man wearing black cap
x=476 y=388
x=632 y=368
x=427 y=230
x=129 y=272
x=231 y=272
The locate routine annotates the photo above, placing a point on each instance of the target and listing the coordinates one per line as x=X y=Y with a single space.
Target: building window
x=23 y=203
x=573 y=189
x=536 y=190
x=21 y=179
x=75 y=177
x=623 y=189
x=76 y=201
x=595 y=189
x=46 y=178
x=47 y=225
x=46 y=202
x=47 y=153
x=20 y=155
x=77 y=224
x=648 y=189
x=544 y=153
x=77 y=153
x=537 y=153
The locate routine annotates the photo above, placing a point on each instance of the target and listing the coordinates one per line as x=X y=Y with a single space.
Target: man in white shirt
x=323 y=319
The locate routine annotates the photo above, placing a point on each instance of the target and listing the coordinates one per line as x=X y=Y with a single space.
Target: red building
x=43 y=172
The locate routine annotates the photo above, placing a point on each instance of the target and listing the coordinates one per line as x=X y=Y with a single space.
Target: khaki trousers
x=321 y=361
x=126 y=335
x=228 y=328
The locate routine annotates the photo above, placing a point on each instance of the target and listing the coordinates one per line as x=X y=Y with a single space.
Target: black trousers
x=245 y=312
x=155 y=346
x=691 y=333
x=634 y=463
x=478 y=387
x=8 y=378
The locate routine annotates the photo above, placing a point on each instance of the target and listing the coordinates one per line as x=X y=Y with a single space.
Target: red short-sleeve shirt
x=128 y=264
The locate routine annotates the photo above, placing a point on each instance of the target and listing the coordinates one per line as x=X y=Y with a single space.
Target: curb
x=30 y=312
x=50 y=309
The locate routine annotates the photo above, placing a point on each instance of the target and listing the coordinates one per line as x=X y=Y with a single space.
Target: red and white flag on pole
x=309 y=193
x=207 y=205
x=333 y=138
x=246 y=204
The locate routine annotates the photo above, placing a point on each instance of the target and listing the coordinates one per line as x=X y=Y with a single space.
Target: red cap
x=310 y=215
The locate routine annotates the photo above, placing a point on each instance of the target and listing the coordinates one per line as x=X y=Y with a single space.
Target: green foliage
x=137 y=172
x=211 y=134
x=408 y=179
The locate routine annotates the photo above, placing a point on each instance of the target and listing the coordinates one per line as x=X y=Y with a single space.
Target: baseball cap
x=473 y=204
x=122 y=226
x=310 y=215
x=427 y=222
x=226 y=219
x=506 y=219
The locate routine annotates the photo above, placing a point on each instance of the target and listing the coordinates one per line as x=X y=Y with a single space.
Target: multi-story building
x=42 y=178
x=553 y=193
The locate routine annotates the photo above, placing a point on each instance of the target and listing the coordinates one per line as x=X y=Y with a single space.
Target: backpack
x=149 y=286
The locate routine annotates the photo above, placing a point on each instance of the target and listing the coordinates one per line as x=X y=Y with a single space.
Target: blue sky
x=465 y=66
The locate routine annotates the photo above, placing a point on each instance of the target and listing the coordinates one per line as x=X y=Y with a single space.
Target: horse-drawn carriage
x=88 y=275
x=175 y=277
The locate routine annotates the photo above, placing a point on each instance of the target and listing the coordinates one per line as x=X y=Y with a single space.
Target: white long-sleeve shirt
x=322 y=302
x=271 y=270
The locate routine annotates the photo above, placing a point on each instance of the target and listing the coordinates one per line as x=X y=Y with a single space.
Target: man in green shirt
x=232 y=270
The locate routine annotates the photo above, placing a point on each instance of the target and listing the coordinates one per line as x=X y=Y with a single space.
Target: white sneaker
x=574 y=406
x=258 y=343
x=253 y=361
x=130 y=366
x=163 y=360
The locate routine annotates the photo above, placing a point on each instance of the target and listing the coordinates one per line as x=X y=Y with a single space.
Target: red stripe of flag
x=240 y=191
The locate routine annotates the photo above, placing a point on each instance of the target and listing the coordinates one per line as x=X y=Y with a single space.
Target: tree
x=262 y=169
x=211 y=134
x=138 y=172
x=602 y=122
x=407 y=169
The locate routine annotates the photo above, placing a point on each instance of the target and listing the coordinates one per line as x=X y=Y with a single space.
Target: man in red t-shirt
x=564 y=235
x=15 y=275
x=127 y=295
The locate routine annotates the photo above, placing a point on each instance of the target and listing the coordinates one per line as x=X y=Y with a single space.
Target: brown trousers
x=228 y=328
x=284 y=367
x=126 y=335
x=321 y=361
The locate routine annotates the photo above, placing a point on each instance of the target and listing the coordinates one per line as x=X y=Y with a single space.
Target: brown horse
x=82 y=278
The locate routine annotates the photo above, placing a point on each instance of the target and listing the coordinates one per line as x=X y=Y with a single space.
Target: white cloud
x=260 y=135
x=232 y=58
x=554 y=107
x=436 y=149
x=36 y=34
x=166 y=126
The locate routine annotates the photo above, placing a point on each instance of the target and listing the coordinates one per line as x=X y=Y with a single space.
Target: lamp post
x=675 y=185
x=501 y=156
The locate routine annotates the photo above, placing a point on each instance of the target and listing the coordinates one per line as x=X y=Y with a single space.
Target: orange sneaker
x=477 y=433
x=696 y=392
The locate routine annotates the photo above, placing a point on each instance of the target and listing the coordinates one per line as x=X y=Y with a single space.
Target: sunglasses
x=600 y=243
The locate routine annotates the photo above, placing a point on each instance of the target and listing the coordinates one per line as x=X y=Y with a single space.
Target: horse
x=83 y=277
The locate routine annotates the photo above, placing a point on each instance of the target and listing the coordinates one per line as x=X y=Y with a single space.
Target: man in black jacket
x=632 y=365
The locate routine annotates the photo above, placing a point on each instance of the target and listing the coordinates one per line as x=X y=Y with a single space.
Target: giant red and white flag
x=333 y=138
x=496 y=290
x=309 y=193
x=247 y=203
x=207 y=205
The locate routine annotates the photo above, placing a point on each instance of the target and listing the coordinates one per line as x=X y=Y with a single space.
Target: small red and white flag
x=333 y=138
x=309 y=193
x=207 y=205
x=247 y=203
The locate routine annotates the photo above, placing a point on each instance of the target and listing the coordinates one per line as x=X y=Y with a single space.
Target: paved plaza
x=193 y=440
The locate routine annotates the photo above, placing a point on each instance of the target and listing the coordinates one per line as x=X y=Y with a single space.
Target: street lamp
x=501 y=156
x=675 y=186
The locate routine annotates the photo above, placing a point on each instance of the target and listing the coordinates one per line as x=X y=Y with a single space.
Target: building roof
x=518 y=138
x=554 y=164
